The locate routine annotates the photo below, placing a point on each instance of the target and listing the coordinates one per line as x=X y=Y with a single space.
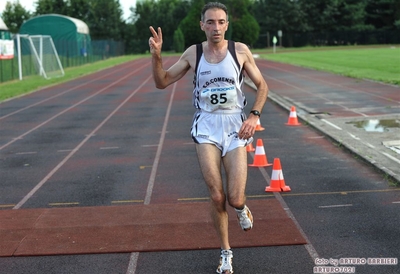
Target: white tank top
x=218 y=86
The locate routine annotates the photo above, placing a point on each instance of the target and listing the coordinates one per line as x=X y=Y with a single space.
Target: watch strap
x=256 y=112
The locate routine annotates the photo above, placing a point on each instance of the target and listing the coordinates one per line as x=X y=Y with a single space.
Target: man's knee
x=236 y=201
x=218 y=198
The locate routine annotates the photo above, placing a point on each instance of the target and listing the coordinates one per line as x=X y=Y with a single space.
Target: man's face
x=215 y=25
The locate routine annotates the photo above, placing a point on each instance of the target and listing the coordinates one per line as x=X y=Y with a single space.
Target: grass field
x=380 y=64
x=28 y=84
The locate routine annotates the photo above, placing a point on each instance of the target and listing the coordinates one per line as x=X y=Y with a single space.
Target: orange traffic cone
x=292 y=121
x=260 y=159
x=250 y=148
x=258 y=126
x=277 y=183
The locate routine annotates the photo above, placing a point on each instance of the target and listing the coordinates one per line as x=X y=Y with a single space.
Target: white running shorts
x=220 y=128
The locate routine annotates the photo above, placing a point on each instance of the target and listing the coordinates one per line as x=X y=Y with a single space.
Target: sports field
x=380 y=63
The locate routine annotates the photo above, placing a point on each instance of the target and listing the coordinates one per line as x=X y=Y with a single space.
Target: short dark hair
x=213 y=5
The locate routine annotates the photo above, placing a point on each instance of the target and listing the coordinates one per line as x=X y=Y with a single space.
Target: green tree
x=190 y=25
x=51 y=6
x=246 y=29
x=287 y=16
x=14 y=15
x=179 y=41
x=163 y=13
x=321 y=14
x=79 y=9
x=243 y=27
x=105 y=20
x=383 y=14
x=143 y=20
x=351 y=15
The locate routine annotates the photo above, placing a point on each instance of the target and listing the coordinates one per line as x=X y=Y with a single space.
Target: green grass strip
x=379 y=64
x=32 y=83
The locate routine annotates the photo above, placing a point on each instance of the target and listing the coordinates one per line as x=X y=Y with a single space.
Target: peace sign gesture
x=156 y=41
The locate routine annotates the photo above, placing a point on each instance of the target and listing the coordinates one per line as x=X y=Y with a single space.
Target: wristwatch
x=256 y=112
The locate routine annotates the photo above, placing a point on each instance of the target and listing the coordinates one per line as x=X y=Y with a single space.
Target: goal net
x=43 y=55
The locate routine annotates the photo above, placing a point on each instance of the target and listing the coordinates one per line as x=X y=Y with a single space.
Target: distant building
x=6 y=42
x=70 y=35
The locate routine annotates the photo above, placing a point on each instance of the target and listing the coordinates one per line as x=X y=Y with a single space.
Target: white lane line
x=398 y=202
x=353 y=136
x=71 y=107
x=64 y=150
x=135 y=255
x=45 y=179
x=391 y=157
x=150 y=185
x=126 y=201
x=132 y=263
x=61 y=93
x=332 y=206
x=64 y=204
x=6 y=206
x=109 y=147
x=368 y=144
x=24 y=153
x=332 y=125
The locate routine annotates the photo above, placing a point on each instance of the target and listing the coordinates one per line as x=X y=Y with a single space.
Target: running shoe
x=245 y=218
x=225 y=262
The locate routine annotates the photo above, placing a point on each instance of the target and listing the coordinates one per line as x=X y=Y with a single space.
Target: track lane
x=68 y=86
x=9 y=124
x=32 y=161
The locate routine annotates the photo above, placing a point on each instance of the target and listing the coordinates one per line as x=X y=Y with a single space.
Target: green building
x=70 y=35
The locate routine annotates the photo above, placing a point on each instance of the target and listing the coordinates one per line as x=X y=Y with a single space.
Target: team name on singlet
x=215 y=80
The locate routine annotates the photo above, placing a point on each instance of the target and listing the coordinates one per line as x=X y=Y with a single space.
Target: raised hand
x=155 y=42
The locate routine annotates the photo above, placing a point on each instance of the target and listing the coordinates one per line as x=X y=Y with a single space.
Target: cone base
x=272 y=189
x=262 y=165
x=293 y=124
x=286 y=188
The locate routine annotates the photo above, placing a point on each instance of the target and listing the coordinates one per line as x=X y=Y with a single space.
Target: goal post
x=43 y=54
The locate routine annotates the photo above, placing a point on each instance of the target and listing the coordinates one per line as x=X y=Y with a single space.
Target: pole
x=19 y=56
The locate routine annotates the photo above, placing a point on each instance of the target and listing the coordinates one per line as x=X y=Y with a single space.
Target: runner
x=220 y=128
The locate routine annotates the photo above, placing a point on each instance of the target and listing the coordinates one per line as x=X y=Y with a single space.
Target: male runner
x=220 y=128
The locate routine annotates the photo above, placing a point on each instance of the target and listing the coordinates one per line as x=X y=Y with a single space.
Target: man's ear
x=201 y=25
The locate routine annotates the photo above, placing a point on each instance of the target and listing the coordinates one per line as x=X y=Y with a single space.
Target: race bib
x=219 y=97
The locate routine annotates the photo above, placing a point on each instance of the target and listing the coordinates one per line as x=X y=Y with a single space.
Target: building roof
x=3 y=25
x=81 y=26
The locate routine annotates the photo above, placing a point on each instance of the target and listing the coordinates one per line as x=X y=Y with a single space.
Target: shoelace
x=226 y=261
x=243 y=215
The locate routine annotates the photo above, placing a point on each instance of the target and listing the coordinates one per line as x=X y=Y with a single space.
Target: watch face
x=255 y=112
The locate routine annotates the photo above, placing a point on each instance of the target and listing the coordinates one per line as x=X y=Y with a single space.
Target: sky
x=29 y=5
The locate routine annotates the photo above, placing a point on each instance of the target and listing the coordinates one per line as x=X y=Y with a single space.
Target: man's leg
x=235 y=164
x=209 y=157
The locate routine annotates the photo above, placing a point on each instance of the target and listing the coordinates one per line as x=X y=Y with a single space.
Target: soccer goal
x=42 y=53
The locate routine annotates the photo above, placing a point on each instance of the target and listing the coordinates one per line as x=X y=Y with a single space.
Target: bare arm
x=249 y=65
x=162 y=77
